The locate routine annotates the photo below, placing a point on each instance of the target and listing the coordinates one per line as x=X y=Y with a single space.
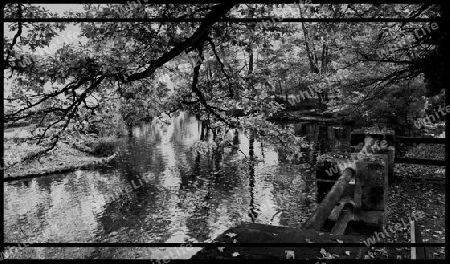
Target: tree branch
x=198 y=37
x=16 y=36
x=222 y=67
x=199 y=93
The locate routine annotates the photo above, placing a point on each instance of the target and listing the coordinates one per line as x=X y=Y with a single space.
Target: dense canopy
x=231 y=74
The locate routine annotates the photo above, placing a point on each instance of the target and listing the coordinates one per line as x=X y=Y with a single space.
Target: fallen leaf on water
x=235 y=254
x=231 y=235
x=289 y=254
x=339 y=241
x=347 y=253
x=221 y=249
x=327 y=255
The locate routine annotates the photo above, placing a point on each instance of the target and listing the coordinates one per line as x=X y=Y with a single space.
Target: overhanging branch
x=198 y=37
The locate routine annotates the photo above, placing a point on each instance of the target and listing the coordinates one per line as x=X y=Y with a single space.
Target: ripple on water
x=185 y=196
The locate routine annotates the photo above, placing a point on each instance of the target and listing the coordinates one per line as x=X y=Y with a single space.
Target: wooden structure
x=351 y=187
x=310 y=232
x=260 y=233
x=318 y=218
x=371 y=140
x=364 y=198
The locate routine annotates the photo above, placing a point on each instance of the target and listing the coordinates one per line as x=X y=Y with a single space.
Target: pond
x=174 y=195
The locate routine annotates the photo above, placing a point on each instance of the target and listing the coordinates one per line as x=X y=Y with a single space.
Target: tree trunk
x=311 y=55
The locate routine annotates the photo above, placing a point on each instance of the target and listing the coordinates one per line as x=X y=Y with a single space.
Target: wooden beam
x=318 y=218
x=420 y=161
x=198 y=2
x=345 y=217
x=421 y=140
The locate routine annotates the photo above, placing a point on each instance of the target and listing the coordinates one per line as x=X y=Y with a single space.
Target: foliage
x=228 y=74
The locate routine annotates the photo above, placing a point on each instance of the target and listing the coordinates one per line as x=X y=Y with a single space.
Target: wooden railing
x=424 y=141
x=421 y=140
x=323 y=210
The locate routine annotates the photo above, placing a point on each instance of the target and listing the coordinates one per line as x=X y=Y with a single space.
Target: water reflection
x=185 y=196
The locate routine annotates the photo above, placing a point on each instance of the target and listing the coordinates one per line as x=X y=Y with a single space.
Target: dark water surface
x=178 y=196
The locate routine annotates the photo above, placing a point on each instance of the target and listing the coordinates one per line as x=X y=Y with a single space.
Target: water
x=176 y=195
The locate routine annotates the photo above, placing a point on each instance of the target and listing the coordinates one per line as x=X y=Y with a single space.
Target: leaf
x=231 y=235
x=235 y=254
x=339 y=241
x=290 y=254
x=327 y=255
x=347 y=253
x=221 y=249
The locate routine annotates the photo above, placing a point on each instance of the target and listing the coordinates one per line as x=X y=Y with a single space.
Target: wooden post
x=361 y=170
x=371 y=187
x=358 y=139
x=318 y=218
x=416 y=237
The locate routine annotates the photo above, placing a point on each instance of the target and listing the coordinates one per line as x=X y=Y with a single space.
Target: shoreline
x=65 y=157
x=90 y=163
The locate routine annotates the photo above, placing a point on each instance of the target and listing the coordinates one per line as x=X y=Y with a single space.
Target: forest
x=119 y=90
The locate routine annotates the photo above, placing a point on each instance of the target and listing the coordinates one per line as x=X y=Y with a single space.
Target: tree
x=125 y=61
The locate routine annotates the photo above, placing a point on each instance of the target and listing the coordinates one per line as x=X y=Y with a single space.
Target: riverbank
x=289 y=116
x=66 y=156
x=409 y=181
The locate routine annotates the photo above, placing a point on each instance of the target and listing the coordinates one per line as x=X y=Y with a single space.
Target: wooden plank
x=260 y=233
x=334 y=216
x=318 y=218
x=303 y=253
x=420 y=161
x=323 y=180
x=421 y=140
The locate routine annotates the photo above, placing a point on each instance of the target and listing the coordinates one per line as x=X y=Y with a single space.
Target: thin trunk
x=281 y=88
x=311 y=55
x=251 y=144
x=250 y=60
x=324 y=57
